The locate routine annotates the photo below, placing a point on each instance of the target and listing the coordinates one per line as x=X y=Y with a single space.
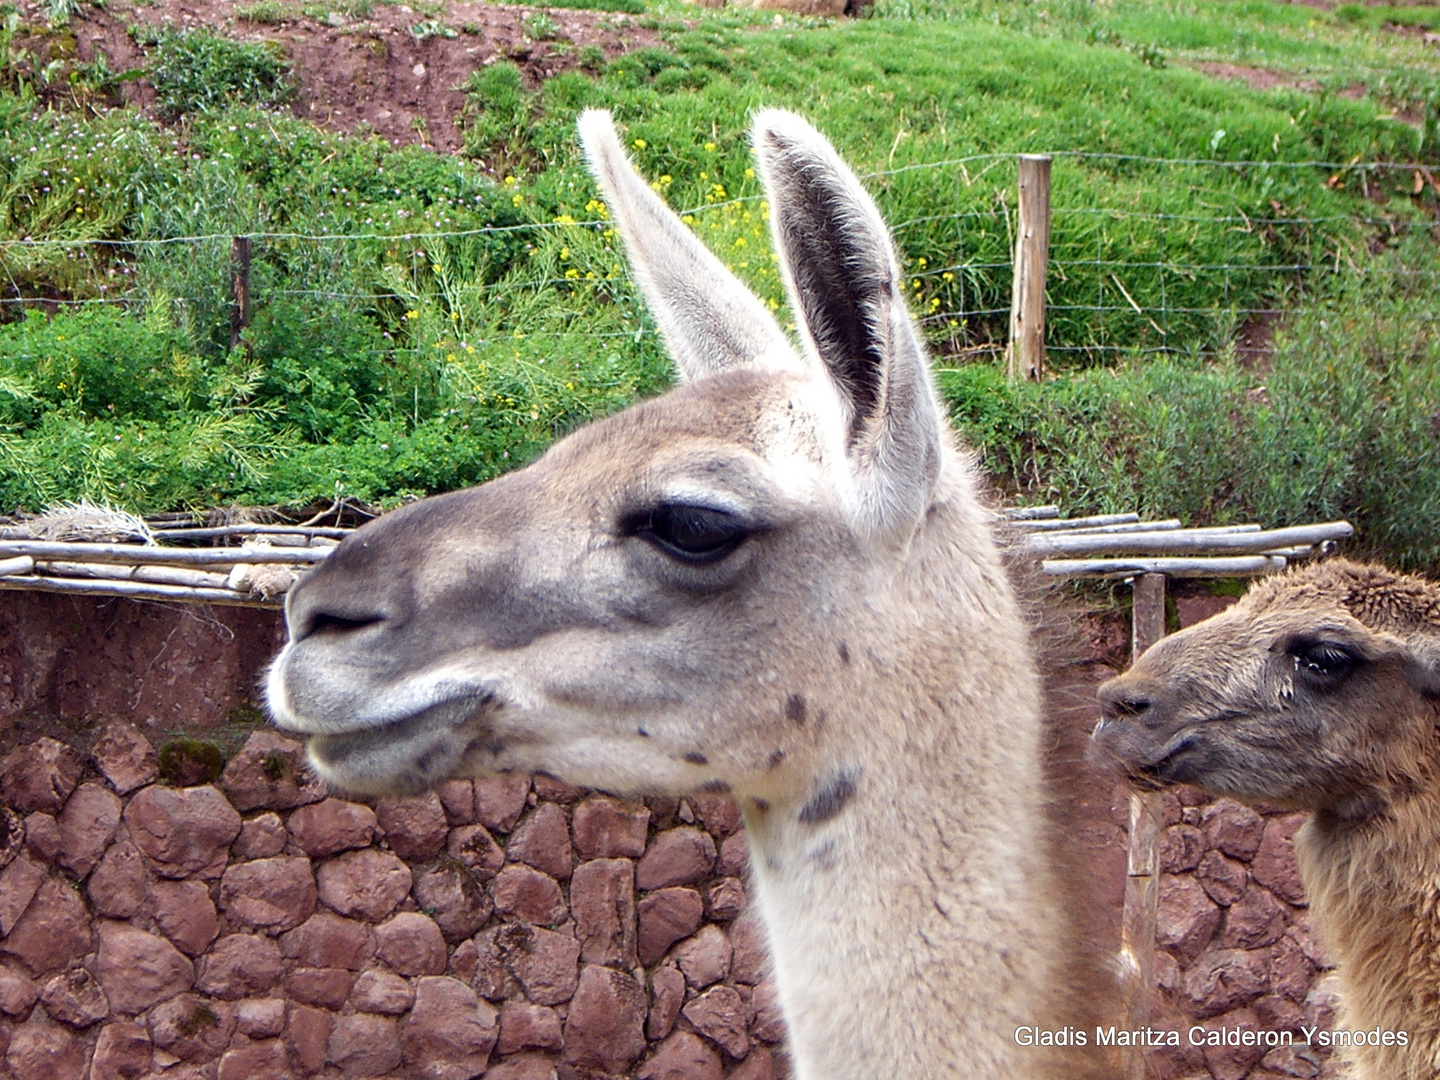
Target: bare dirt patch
x=375 y=74
x=1259 y=78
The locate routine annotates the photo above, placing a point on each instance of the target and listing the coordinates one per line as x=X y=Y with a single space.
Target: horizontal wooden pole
x=217 y=532
x=1188 y=541
x=1064 y=524
x=133 y=554
x=20 y=564
x=135 y=590
x=158 y=575
x=1032 y=513
x=1233 y=566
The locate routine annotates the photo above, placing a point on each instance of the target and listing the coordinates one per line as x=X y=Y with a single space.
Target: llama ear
x=1422 y=669
x=707 y=317
x=843 y=280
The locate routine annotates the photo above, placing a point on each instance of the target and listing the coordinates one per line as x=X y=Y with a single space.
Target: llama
x=1320 y=691
x=776 y=580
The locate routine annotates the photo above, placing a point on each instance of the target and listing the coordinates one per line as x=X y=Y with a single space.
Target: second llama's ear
x=1422 y=668
x=707 y=316
x=843 y=280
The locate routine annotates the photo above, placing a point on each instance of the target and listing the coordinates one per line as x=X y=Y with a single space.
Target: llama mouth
x=407 y=755
x=1173 y=766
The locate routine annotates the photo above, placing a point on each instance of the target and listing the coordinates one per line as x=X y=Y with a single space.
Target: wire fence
x=1123 y=279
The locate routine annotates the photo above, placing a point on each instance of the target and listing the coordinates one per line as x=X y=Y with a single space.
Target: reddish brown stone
x=534 y=1065
x=667 y=994
x=54 y=930
x=1322 y=1003
x=331 y=826
x=260 y=837
x=414 y=825
x=1291 y=972
x=682 y=1056
x=74 y=997
x=367 y=883
x=1233 y=1062
x=326 y=940
x=1277 y=1013
x=676 y=857
x=1299 y=1061
x=457 y=799
x=528 y=1027
x=725 y=900
x=87 y=824
x=454 y=898
x=542 y=840
x=464 y=962
x=704 y=958
x=450 y=1032
x=274 y=894
x=183 y=832
x=307 y=1035
x=544 y=962
x=270 y=773
x=42 y=1049
x=1234 y=829
x=192 y=1028
x=719 y=1015
x=240 y=965
x=364 y=1044
x=1274 y=862
x=381 y=992
x=1181 y=848
x=260 y=1018
x=602 y=899
x=1223 y=979
x=117 y=886
x=666 y=917
x=500 y=800
x=19 y=882
x=1187 y=919
x=325 y=987
x=1255 y=920
x=759 y=1064
x=767 y=1022
x=185 y=914
x=139 y=969
x=608 y=828
x=260 y=1059
x=491 y=977
x=475 y=849
x=1311 y=946
x=412 y=944
x=552 y=789
x=125 y=758
x=1222 y=879
x=720 y=814
x=12 y=840
x=40 y=775
x=604 y=1028
x=42 y=837
x=526 y=893
x=17 y=991
x=123 y=1052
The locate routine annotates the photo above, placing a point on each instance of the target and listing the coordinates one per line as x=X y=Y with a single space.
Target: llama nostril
x=322 y=622
x=1119 y=705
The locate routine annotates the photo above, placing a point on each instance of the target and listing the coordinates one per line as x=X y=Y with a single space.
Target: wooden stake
x=1025 y=356
x=1142 y=885
x=239 y=287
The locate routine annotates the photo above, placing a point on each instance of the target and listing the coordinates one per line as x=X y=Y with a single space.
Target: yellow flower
x=566 y=219
x=564 y=253
x=749 y=174
x=640 y=144
x=711 y=147
x=412 y=314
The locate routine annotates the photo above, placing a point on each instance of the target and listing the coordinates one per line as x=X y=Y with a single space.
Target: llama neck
x=1372 y=888
x=905 y=888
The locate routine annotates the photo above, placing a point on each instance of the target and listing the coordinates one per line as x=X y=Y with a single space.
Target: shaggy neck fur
x=1375 y=889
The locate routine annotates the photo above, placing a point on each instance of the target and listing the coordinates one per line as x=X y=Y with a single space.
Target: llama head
x=1319 y=690
x=656 y=603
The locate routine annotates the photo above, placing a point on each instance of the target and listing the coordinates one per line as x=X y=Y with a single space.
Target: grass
x=385 y=361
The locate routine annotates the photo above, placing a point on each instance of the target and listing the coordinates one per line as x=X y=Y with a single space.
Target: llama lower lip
x=408 y=754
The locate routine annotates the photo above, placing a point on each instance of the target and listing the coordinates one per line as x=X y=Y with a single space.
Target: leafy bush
x=194 y=70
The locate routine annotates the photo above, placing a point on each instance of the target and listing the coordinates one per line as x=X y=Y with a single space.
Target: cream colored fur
x=1252 y=704
x=856 y=670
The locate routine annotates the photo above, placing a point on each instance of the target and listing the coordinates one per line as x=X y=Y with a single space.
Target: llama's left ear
x=1422 y=669
x=844 y=284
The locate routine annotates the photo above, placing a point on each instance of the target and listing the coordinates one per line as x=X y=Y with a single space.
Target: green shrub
x=194 y=70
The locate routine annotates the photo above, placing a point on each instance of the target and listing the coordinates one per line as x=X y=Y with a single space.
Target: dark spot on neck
x=715 y=786
x=844 y=653
x=642 y=733
x=697 y=759
x=795 y=708
x=760 y=806
x=833 y=796
x=777 y=757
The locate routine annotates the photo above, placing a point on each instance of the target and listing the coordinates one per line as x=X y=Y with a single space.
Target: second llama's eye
x=1325 y=660
x=693 y=534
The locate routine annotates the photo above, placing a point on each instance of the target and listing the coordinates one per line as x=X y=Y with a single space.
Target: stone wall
x=253 y=927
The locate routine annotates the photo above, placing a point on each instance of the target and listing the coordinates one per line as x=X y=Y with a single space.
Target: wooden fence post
x=1025 y=355
x=1142 y=883
x=239 y=287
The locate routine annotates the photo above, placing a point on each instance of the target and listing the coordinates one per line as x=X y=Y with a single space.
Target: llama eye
x=1325 y=661
x=693 y=534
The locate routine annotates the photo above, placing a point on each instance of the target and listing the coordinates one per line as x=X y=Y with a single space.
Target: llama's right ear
x=843 y=280
x=706 y=315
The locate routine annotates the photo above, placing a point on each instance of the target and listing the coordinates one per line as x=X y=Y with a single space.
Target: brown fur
x=1320 y=690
